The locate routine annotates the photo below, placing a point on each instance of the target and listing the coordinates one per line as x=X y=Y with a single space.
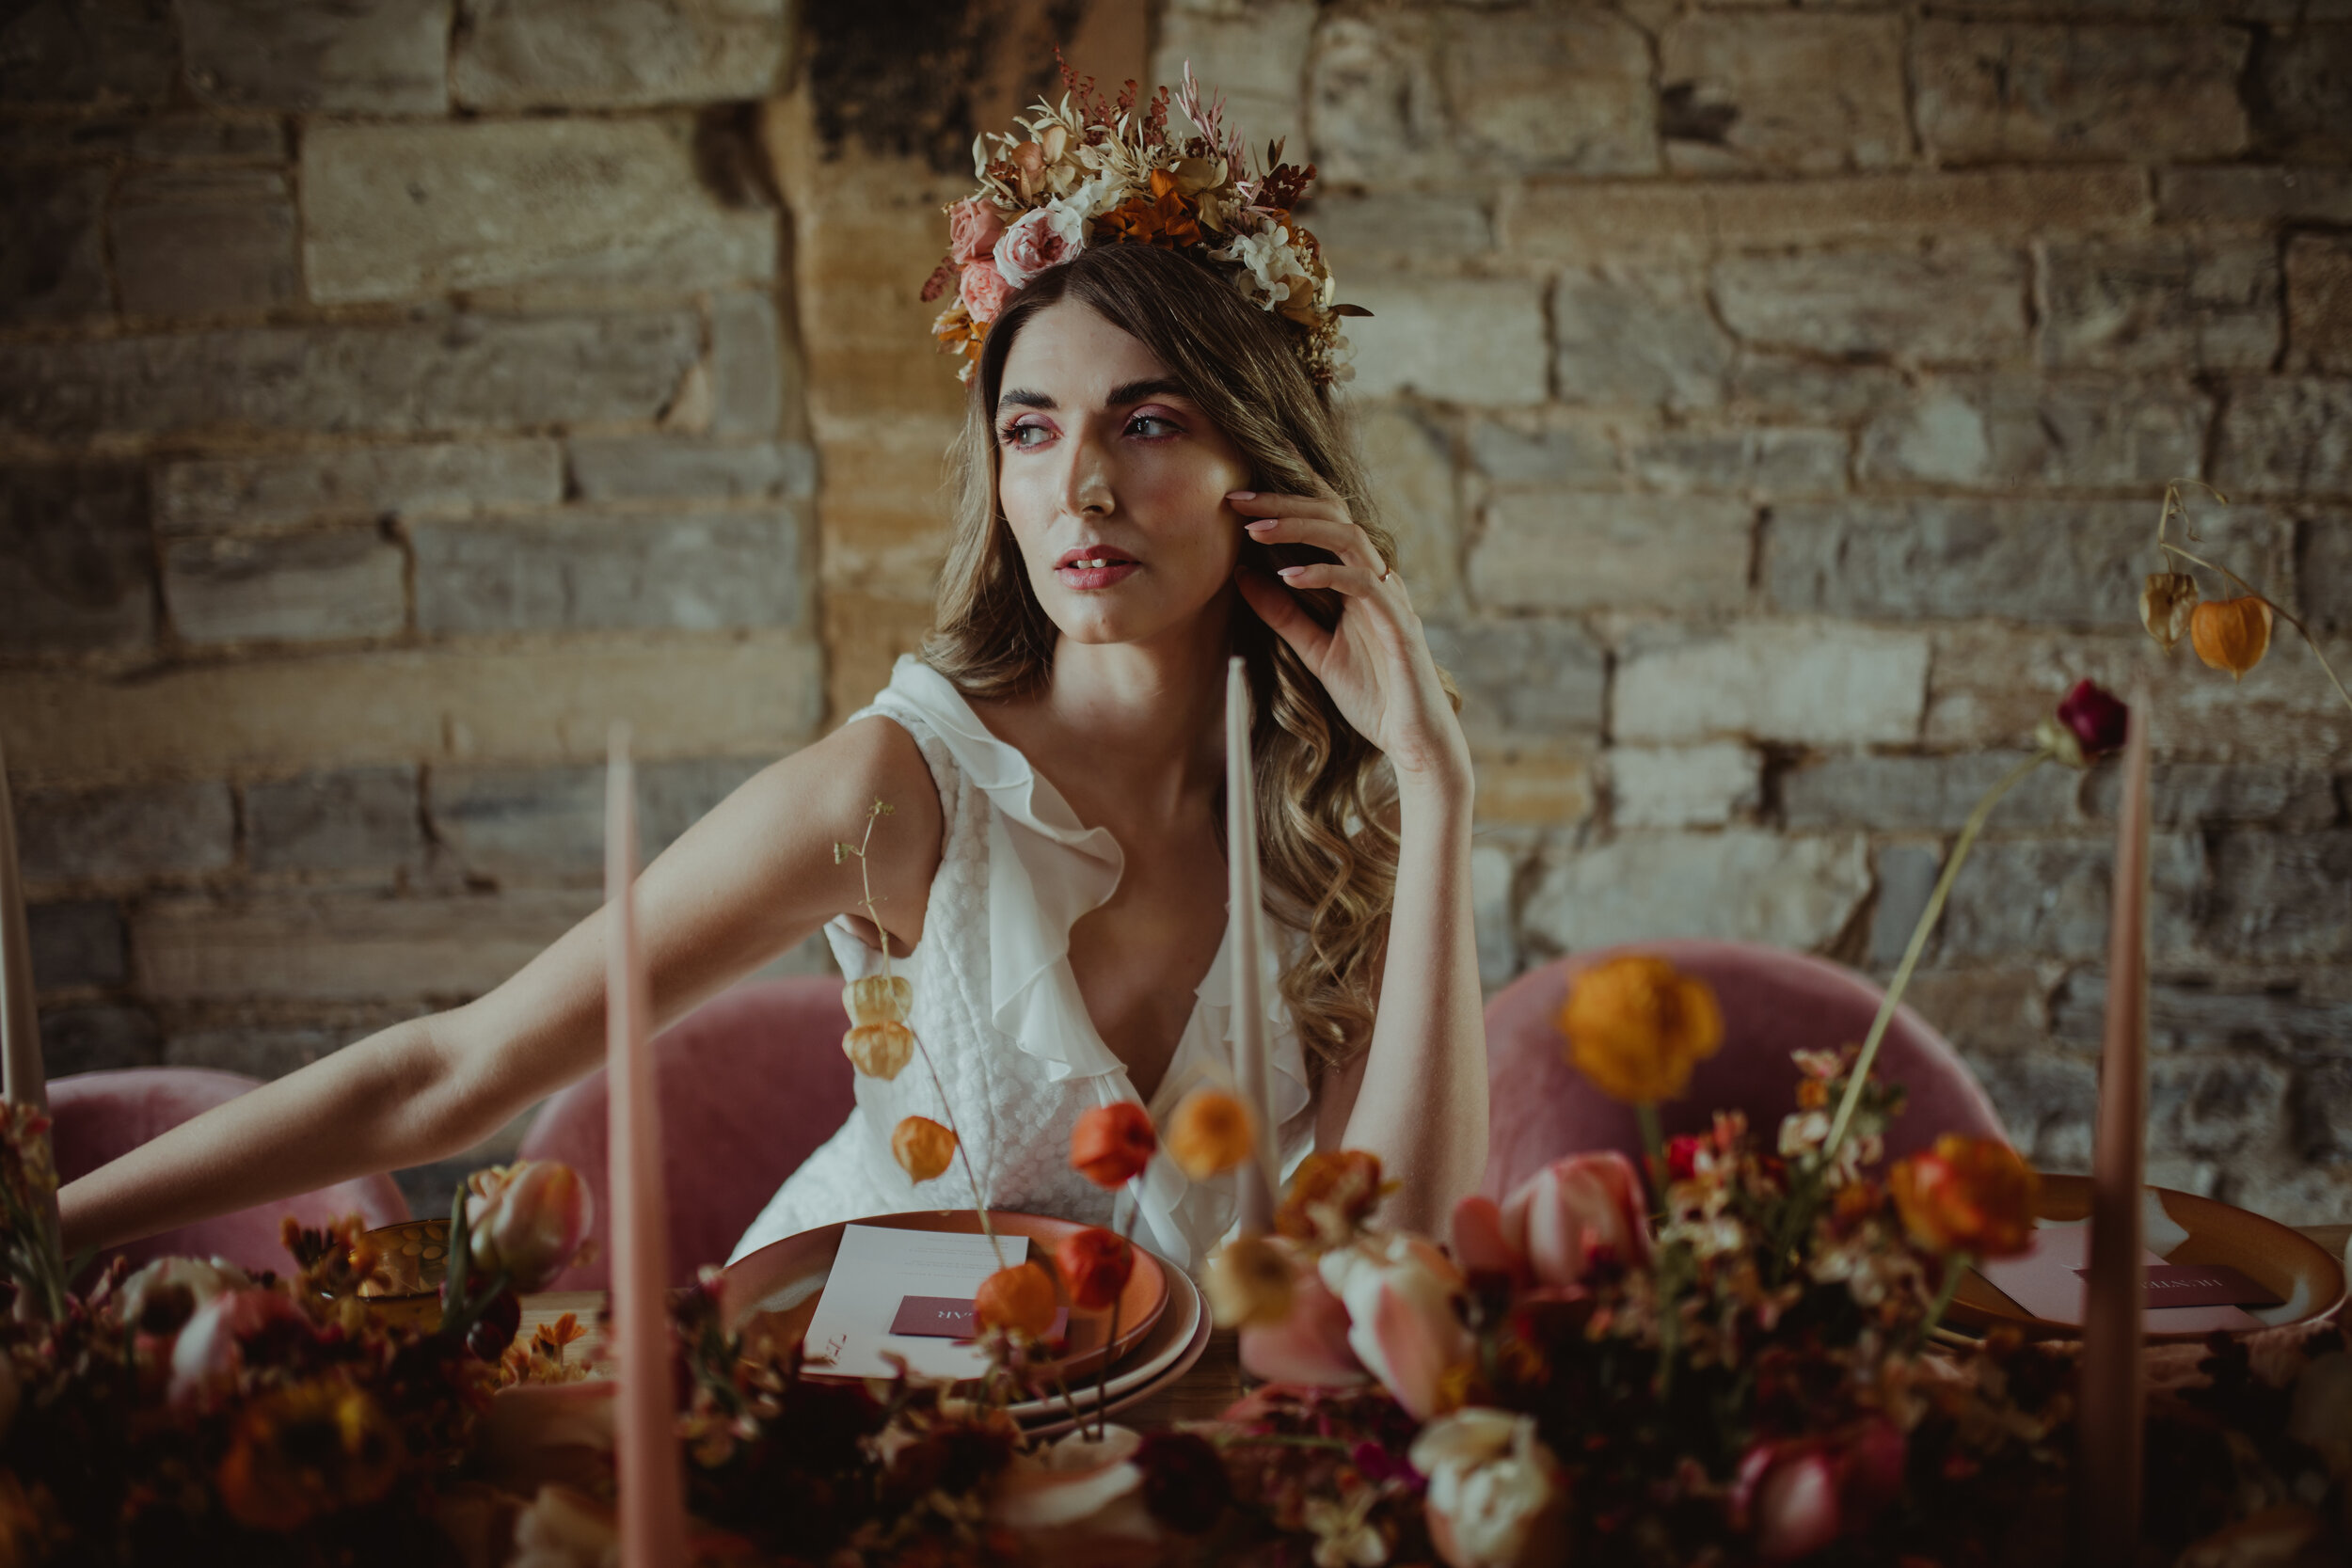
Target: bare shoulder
x=825 y=793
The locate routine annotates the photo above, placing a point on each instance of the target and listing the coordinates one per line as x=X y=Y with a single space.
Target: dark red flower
x=1682 y=1156
x=1185 y=1484
x=495 y=1329
x=2096 y=718
x=1094 y=1264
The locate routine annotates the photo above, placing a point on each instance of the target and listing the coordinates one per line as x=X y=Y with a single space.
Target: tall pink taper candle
x=645 y=1445
x=2113 y=1394
x=19 y=1024
x=1254 y=1181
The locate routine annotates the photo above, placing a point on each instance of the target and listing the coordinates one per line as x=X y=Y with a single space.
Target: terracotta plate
x=1159 y=1357
x=2298 y=1269
x=785 y=1278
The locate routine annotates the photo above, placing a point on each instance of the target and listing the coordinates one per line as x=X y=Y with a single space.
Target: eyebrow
x=1131 y=392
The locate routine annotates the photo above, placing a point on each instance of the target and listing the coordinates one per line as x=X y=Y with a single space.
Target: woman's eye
x=1019 y=435
x=1151 y=425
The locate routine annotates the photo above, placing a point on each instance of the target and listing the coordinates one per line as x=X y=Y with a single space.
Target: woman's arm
x=1416 y=1095
x=748 y=881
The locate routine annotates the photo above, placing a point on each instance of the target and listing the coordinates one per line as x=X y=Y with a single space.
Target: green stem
x=1654 y=1140
x=1110 y=1345
x=1954 y=1266
x=1860 y=1072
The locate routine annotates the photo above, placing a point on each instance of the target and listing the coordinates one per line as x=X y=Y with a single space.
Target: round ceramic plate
x=1146 y=1365
x=2308 y=1282
x=1175 y=1370
x=785 y=1278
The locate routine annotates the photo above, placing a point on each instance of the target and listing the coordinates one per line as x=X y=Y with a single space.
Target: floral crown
x=1095 y=172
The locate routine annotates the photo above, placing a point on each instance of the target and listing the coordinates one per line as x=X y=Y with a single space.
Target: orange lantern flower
x=1211 y=1132
x=1020 y=1298
x=2231 y=634
x=1968 y=1195
x=922 y=1148
x=879 y=1049
x=878 y=999
x=1111 y=1143
x=2166 y=605
x=1636 y=1026
x=1251 y=1283
x=1094 y=1265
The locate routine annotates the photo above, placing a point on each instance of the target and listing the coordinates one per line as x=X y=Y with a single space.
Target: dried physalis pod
x=879 y=1049
x=923 y=1148
x=2166 y=605
x=2231 y=634
x=1021 y=1297
x=878 y=999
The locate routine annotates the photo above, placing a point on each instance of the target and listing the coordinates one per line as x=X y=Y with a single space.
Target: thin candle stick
x=2113 y=1395
x=652 y=1484
x=1255 y=1179
x=23 y=1080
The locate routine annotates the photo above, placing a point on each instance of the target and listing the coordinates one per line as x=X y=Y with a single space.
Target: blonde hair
x=1327 y=841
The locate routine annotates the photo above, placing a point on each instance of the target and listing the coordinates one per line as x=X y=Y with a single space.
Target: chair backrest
x=100 y=1116
x=750 y=1085
x=1773 y=1003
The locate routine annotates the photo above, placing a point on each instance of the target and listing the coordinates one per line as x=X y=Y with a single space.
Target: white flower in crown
x=1046 y=237
x=1273 y=272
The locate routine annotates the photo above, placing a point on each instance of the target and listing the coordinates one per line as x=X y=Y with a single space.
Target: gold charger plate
x=2297 y=1269
x=784 y=1279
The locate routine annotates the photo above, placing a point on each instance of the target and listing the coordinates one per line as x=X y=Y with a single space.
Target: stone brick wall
x=1774 y=402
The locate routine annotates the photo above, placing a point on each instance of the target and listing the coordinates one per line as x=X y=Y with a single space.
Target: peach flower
x=1044 y=238
x=974 y=226
x=984 y=291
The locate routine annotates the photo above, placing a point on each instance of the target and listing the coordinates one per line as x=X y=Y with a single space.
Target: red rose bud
x=2090 y=723
x=495 y=1329
x=1682 y=1156
x=1112 y=1144
x=1094 y=1265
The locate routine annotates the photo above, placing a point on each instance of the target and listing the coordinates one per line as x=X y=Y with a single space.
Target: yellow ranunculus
x=1636 y=1027
x=1212 y=1133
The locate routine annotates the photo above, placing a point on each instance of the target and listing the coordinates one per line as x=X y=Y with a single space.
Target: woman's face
x=1113 y=480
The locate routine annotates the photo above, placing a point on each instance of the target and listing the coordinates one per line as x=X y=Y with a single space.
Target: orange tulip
x=1094 y=1265
x=923 y=1148
x=1968 y=1195
x=1212 y=1133
x=2231 y=634
x=1636 y=1027
x=879 y=1049
x=1330 y=1197
x=1020 y=1298
x=1112 y=1144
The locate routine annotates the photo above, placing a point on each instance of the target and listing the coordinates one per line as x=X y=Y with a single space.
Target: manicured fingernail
x=1241 y=495
x=1287 y=573
x=1261 y=526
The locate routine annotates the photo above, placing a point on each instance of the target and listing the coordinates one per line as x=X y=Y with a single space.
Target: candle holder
x=413 y=1262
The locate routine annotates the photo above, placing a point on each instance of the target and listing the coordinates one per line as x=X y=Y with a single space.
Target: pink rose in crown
x=974 y=226
x=984 y=291
x=1575 y=1212
x=1045 y=238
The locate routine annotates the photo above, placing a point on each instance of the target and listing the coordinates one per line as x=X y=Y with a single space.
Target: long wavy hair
x=1326 y=819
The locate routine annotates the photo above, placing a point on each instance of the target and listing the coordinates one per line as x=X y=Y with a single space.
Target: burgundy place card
x=2203 y=1285
x=946 y=1318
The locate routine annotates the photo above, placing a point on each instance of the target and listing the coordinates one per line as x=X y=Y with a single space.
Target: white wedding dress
x=998 y=1005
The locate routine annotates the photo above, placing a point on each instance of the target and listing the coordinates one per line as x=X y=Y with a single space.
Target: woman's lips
x=1091 y=572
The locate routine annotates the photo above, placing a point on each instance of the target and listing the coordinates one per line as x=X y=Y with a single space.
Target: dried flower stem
x=1860 y=1072
x=865 y=879
x=2172 y=508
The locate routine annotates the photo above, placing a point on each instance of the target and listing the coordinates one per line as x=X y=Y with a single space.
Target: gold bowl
x=412 y=1261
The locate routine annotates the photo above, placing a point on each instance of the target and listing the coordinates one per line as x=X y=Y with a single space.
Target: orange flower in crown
x=1094 y=171
x=1968 y=1195
x=1636 y=1026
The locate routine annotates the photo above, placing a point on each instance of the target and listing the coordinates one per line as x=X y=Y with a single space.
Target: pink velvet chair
x=750 y=1083
x=100 y=1116
x=1773 y=1003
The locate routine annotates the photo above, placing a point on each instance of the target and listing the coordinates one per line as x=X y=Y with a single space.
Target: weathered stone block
x=697 y=571
x=1906 y=880
x=546 y=701
x=306 y=588
x=53 y=254
x=88 y=52
x=2281 y=897
x=1257 y=60
x=546 y=825
x=208 y=495
x=98 y=1038
x=2322 y=1104
x=1375 y=107
x=2204 y=793
x=2193 y=1013
x=2168 y=303
x=1411 y=473
x=208 y=139
x=1492 y=874
x=2325 y=571
x=1742 y=885
x=1995 y=92
x=1458 y=340
x=179 y=830
x=1892 y=794
x=359 y=56
x=261 y=1050
x=406 y=211
x=1639 y=335
x=621 y=54
x=1547 y=453
x=1826 y=685
x=1682 y=787
x=2211 y=1108
x=1766 y=462
x=2067 y=562
x=2284 y=436
x=1392 y=227
x=2319 y=303
x=77 y=945
x=1812 y=92
x=361 y=820
x=2006 y=431
x=1778 y=387
x=1567 y=90
x=459 y=372
x=1959 y=303
x=210 y=242
x=77 y=567
x=1563 y=550
x=1549 y=794
x=2046 y=1101
x=659 y=468
x=748 y=381
x=2047 y=899
x=2302 y=93
x=344 y=946
x=2257 y=197
x=1526 y=685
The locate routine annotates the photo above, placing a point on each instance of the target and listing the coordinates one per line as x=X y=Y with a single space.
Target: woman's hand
x=1375 y=663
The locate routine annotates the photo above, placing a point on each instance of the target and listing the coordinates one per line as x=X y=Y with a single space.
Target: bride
x=1154 y=478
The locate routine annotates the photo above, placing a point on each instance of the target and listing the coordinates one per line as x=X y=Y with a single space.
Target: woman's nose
x=1087 y=487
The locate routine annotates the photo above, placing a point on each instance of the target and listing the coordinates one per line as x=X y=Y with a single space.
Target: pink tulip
x=1400 y=1294
x=1575 y=1213
x=1309 y=1345
x=1481 y=1245
x=210 y=1349
x=527 y=1220
x=1799 y=1496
